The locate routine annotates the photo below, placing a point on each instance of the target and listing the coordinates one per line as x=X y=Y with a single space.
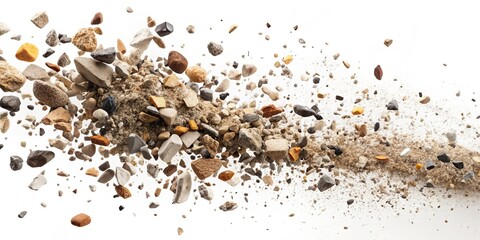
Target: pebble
x=206 y=167
x=189 y=138
x=49 y=52
x=443 y=158
x=11 y=103
x=325 y=182
x=184 y=187
x=228 y=206
x=170 y=148
x=97 y=18
x=378 y=72
x=98 y=73
x=226 y=175
x=168 y=115
x=129 y=10
x=16 y=163
x=153 y=170
x=451 y=136
x=362 y=130
x=35 y=72
x=85 y=40
x=92 y=172
x=17 y=37
x=232 y=28
x=190 y=29
x=106 y=176
x=58 y=143
x=134 y=143
x=53 y=66
x=388 y=42
x=52 y=38
x=205 y=192
x=27 y=52
x=164 y=29
x=4 y=28
x=177 y=62
x=357 y=110
x=206 y=94
x=63 y=60
x=40 y=19
x=157 y=40
x=122 y=176
x=58 y=115
x=121 y=46
x=4 y=122
x=469 y=175
x=376 y=127
x=89 y=150
x=458 y=164
x=250 y=139
x=171 y=81
x=429 y=165
x=362 y=162
x=248 y=70
x=303 y=111
x=425 y=100
x=196 y=74
x=147 y=118
x=38 y=182
x=92 y=188
x=104 y=166
x=142 y=39
x=276 y=149
x=223 y=86
x=234 y=74
x=100 y=140
x=214 y=48
x=476 y=159
x=81 y=220
x=270 y=110
x=49 y=94
x=106 y=55
x=39 y=158
x=392 y=105
x=100 y=114
x=350 y=201
x=405 y=152
x=109 y=105
x=22 y=214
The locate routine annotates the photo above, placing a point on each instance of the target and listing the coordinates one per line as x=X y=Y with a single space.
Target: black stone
x=30 y=107
x=316 y=80
x=235 y=64
x=318 y=116
x=250 y=117
x=164 y=29
x=41 y=132
x=429 y=165
x=339 y=98
x=311 y=130
x=103 y=131
x=120 y=208
x=458 y=164
x=39 y=158
x=22 y=214
x=65 y=39
x=338 y=151
x=392 y=105
x=376 y=127
x=11 y=103
x=16 y=163
x=303 y=111
x=206 y=94
x=104 y=166
x=48 y=53
x=444 y=158
x=223 y=96
x=106 y=55
x=350 y=201
x=109 y=105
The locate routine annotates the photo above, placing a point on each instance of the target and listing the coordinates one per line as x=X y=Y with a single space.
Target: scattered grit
x=151 y=113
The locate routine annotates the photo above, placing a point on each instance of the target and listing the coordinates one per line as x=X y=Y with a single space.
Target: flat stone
x=58 y=115
x=223 y=86
x=164 y=29
x=122 y=176
x=234 y=74
x=147 y=118
x=210 y=144
x=85 y=40
x=81 y=220
x=276 y=149
x=206 y=94
x=250 y=139
x=190 y=99
x=16 y=163
x=153 y=170
x=196 y=74
x=96 y=72
x=184 y=187
x=209 y=129
x=104 y=166
x=40 y=19
x=122 y=69
x=303 y=111
x=177 y=62
x=38 y=182
x=205 y=192
x=4 y=122
x=405 y=152
x=142 y=39
x=35 y=72
x=49 y=52
x=189 y=138
x=52 y=38
x=443 y=158
x=205 y=168
x=89 y=150
x=171 y=81
x=39 y=158
x=248 y=70
x=63 y=60
x=106 y=55
x=106 y=176
x=134 y=143
x=392 y=105
x=228 y=206
x=325 y=182
x=11 y=79
x=170 y=148
x=168 y=115
x=458 y=164
x=58 y=143
x=214 y=48
x=11 y=103
x=157 y=102
x=49 y=94
x=4 y=28
x=250 y=117
x=22 y=214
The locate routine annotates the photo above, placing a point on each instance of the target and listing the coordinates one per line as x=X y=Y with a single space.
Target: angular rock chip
x=170 y=148
x=11 y=79
x=98 y=73
x=228 y=206
x=378 y=72
x=106 y=55
x=325 y=182
x=142 y=39
x=40 y=19
x=122 y=175
x=11 y=103
x=214 y=48
x=248 y=138
x=35 y=72
x=189 y=138
x=184 y=187
x=85 y=40
x=164 y=29
x=16 y=163
x=205 y=167
x=248 y=70
x=134 y=143
x=168 y=115
x=205 y=192
x=56 y=116
x=39 y=158
x=153 y=170
x=38 y=182
x=4 y=28
x=276 y=148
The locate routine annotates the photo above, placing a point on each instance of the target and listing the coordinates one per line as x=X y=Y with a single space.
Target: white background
x=426 y=35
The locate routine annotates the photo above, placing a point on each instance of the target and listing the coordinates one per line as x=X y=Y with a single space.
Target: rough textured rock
x=16 y=163
x=106 y=55
x=214 y=48
x=184 y=187
x=11 y=103
x=196 y=74
x=177 y=62
x=248 y=70
x=49 y=95
x=205 y=192
x=38 y=182
x=205 y=168
x=142 y=39
x=98 y=73
x=52 y=38
x=4 y=28
x=228 y=206
x=189 y=138
x=122 y=175
x=39 y=158
x=11 y=79
x=248 y=138
x=56 y=116
x=325 y=182
x=35 y=72
x=134 y=143
x=85 y=40
x=276 y=148
x=40 y=19
x=27 y=52
x=170 y=148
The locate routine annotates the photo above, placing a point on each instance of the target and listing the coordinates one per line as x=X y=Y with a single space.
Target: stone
x=190 y=29
x=164 y=29
x=234 y=74
x=96 y=72
x=405 y=152
x=39 y=158
x=378 y=72
x=35 y=72
x=206 y=94
x=325 y=182
x=443 y=158
x=106 y=55
x=106 y=176
x=425 y=100
x=170 y=148
x=429 y=165
x=190 y=99
x=214 y=48
x=63 y=60
x=147 y=118
x=171 y=81
x=303 y=111
x=226 y=175
x=276 y=149
x=89 y=150
x=85 y=40
x=159 y=42
x=92 y=172
x=232 y=28
x=53 y=66
x=81 y=220
x=4 y=122
x=177 y=62
x=376 y=127
x=16 y=163
x=49 y=94
x=58 y=143
x=189 y=138
x=11 y=103
x=205 y=192
x=109 y=105
x=153 y=170
x=362 y=162
x=49 y=52
x=270 y=110
x=196 y=74
x=100 y=140
x=228 y=206
x=206 y=167
x=100 y=114
x=223 y=86
x=357 y=110
x=134 y=143
x=250 y=139
x=388 y=42
x=469 y=175
x=210 y=144
x=248 y=70
x=458 y=164
x=40 y=19
x=97 y=18
x=168 y=115
x=4 y=28
x=184 y=187
x=22 y=214
x=52 y=38
x=104 y=166
x=58 y=115
x=142 y=39
x=38 y=182
x=294 y=153
x=209 y=130
x=392 y=105
x=122 y=176
x=362 y=130
x=287 y=59
x=451 y=136
x=27 y=52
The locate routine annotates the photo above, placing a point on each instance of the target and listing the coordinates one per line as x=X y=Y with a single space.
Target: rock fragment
x=443 y=158
x=22 y=214
x=189 y=138
x=429 y=165
x=122 y=175
x=106 y=176
x=11 y=79
x=168 y=115
x=39 y=158
x=190 y=29
x=134 y=143
x=205 y=192
x=142 y=39
x=184 y=187
x=170 y=148
x=49 y=94
x=4 y=28
x=388 y=42
x=177 y=62
x=63 y=60
x=11 y=103
x=35 y=72
x=458 y=164
x=214 y=48
x=164 y=29
x=40 y=19
x=38 y=182
x=250 y=139
x=392 y=105
x=27 y=52
x=196 y=74
x=425 y=100
x=248 y=70
x=325 y=182
x=378 y=72
x=123 y=191
x=56 y=116
x=205 y=167
x=52 y=38
x=228 y=206
x=153 y=170
x=97 y=18
x=85 y=40
x=276 y=149
x=81 y=220
x=98 y=73
x=4 y=122
x=190 y=99
x=16 y=163
x=106 y=55
x=303 y=111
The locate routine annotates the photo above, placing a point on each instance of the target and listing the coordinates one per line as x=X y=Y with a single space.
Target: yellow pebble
x=27 y=52
x=294 y=153
x=357 y=110
x=382 y=158
x=158 y=102
x=193 y=125
x=418 y=166
x=179 y=130
x=287 y=59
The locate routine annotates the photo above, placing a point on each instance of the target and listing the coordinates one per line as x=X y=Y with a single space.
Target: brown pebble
x=378 y=72
x=97 y=18
x=425 y=100
x=121 y=47
x=177 y=62
x=123 y=191
x=81 y=220
x=53 y=66
x=226 y=175
x=270 y=110
x=388 y=42
x=100 y=140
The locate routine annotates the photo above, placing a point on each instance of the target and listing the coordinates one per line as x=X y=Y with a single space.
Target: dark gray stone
x=16 y=163
x=106 y=55
x=22 y=214
x=63 y=60
x=104 y=166
x=48 y=53
x=303 y=111
x=392 y=105
x=164 y=29
x=302 y=142
x=214 y=48
x=443 y=158
x=134 y=143
x=250 y=117
x=52 y=39
x=458 y=164
x=39 y=158
x=11 y=103
x=325 y=182
x=206 y=94
x=106 y=176
x=109 y=105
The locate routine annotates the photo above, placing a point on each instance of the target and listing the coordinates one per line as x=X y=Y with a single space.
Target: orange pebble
x=226 y=175
x=100 y=140
x=27 y=52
